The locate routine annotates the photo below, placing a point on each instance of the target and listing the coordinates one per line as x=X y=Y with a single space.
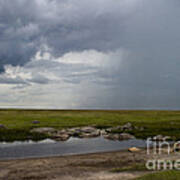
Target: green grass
x=155 y=122
x=21 y=135
x=165 y=175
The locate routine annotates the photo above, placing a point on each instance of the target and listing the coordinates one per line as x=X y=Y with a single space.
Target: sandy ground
x=77 y=167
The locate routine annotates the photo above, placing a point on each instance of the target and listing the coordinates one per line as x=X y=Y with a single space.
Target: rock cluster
x=84 y=132
x=125 y=128
x=121 y=136
x=88 y=132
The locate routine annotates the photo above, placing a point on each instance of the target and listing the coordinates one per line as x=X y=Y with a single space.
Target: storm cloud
x=90 y=54
x=63 y=25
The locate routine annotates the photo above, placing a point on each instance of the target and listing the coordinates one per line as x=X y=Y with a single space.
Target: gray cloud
x=63 y=25
x=81 y=43
x=6 y=80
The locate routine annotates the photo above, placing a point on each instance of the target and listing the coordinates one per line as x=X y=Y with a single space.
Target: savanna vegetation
x=18 y=123
x=164 y=175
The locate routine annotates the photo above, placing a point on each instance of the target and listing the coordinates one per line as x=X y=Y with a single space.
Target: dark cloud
x=63 y=25
x=147 y=32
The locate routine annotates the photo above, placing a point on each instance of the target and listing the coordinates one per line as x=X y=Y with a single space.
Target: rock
x=2 y=126
x=74 y=131
x=134 y=149
x=125 y=136
x=88 y=129
x=89 y=132
x=61 y=137
x=158 y=138
x=109 y=130
x=127 y=127
x=111 y=136
x=63 y=131
x=35 y=122
x=124 y=128
x=90 y=135
x=114 y=129
x=116 y=136
x=44 y=130
x=103 y=132
x=84 y=132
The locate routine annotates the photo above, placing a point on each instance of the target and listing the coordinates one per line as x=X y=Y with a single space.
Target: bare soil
x=96 y=166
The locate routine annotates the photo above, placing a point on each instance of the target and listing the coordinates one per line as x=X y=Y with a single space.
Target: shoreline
x=114 y=165
x=91 y=166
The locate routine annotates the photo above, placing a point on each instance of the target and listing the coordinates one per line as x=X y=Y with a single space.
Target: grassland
x=167 y=175
x=19 y=122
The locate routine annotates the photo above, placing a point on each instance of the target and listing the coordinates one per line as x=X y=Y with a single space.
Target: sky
x=90 y=54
